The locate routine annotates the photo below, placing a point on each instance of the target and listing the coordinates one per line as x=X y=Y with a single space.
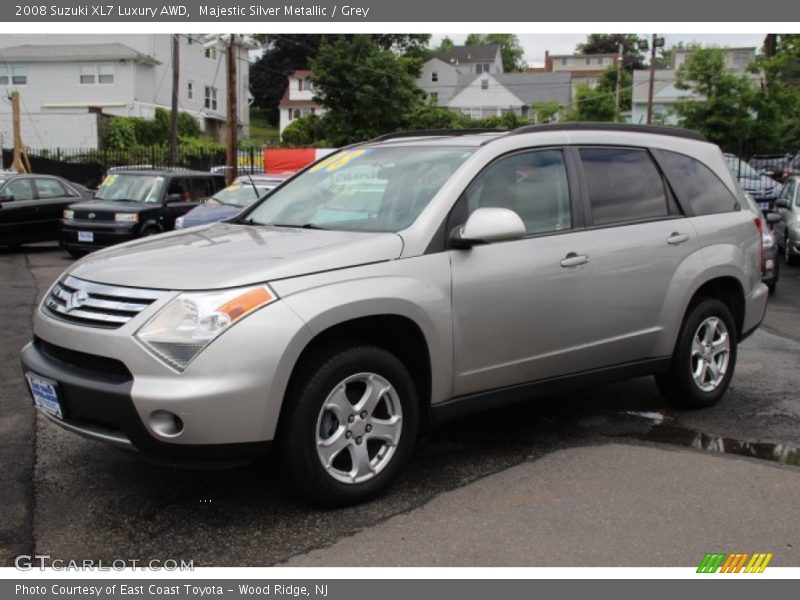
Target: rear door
x=18 y=212
x=521 y=309
x=52 y=197
x=640 y=237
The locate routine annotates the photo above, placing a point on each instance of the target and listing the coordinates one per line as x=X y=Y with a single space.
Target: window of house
x=532 y=184
x=564 y=61
x=588 y=60
x=484 y=84
x=600 y=60
x=102 y=74
x=14 y=76
x=190 y=89
x=210 y=53
x=305 y=84
x=105 y=74
x=482 y=67
x=696 y=184
x=88 y=74
x=624 y=185
x=211 y=98
x=296 y=113
x=434 y=77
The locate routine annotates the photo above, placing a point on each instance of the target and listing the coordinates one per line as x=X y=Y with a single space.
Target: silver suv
x=403 y=281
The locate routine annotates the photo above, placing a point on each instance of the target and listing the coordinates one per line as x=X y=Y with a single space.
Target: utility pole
x=619 y=82
x=233 y=120
x=173 y=123
x=20 y=162
x=657 y=42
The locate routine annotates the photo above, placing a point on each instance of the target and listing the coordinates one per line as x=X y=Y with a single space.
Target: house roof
x=300 y=73
x=469 y=54
x=531 y=88
x=73 y=52
x=593 y=54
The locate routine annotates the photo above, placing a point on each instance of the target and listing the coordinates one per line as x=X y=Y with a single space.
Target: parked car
x=764 y=189
x=492 y=268
x=31 y=206
x=771 y=165
x=787 y=230
x=133 y=204
x=231 y=201
x=794 y=167
x=770 y=265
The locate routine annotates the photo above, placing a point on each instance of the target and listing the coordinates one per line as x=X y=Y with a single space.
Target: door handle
x=675 y=238
x=574 y=259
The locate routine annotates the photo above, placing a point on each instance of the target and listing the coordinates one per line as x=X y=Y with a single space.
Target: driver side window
x=533 y=184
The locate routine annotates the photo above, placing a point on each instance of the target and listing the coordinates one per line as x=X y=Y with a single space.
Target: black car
x=31 y=206
x=133 y=204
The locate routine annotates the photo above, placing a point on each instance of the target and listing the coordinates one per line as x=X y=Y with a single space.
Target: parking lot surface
x=610 y=476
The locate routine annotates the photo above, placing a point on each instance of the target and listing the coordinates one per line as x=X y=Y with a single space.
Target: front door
x=521 y=308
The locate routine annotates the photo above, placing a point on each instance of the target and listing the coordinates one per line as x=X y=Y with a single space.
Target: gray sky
x=564 y=43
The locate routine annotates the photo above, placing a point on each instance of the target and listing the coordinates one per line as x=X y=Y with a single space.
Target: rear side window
x=201 y=188
x=50 y=188
x=623 y=185
x=695 y=184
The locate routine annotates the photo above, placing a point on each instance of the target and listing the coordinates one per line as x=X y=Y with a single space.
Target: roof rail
x=580 y=126
x=434 y=132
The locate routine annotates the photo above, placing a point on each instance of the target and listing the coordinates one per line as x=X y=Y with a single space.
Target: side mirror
x=781 y=203
x=487 y=225
x=773 y=218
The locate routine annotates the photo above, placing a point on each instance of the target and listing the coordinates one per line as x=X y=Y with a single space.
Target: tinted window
x=532 y=184
x=623 y=185
x=19 y=189
x=695 y=184
x=50 y=188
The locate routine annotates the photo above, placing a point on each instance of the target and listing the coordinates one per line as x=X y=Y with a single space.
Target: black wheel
x=772 y=287
x=704 y=357
x=148 y=231
x=350 y=424
x=791 y=259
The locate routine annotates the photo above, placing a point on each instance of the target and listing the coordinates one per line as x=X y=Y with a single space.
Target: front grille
x=96 y=304
x=93 y=365
x=94 y=215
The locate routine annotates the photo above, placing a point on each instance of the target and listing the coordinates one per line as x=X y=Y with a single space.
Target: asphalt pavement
x=610 y=476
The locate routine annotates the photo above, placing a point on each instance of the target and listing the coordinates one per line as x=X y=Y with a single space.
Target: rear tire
x=350 y=425
x=704 y=357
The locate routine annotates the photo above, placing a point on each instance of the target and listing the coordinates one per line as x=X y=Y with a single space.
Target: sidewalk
x=613 y=505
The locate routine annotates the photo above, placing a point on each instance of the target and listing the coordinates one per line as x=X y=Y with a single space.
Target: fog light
x=165 y=423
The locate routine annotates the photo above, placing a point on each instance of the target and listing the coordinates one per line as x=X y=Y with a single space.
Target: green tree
x=723 y=103
x=304 y=132
x=545 y=112
x=367 y=89
x=608 y=43
x=591 y=104
x=511 y=50
x=285 y=53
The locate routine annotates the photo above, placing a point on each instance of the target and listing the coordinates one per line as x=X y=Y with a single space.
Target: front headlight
x=193 y=320
x=768 y=240
x=126 y=218
x=68 y=214
x=179 y=223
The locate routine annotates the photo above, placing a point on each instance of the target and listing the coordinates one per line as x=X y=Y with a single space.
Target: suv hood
x=228 y=255
x=112 y=206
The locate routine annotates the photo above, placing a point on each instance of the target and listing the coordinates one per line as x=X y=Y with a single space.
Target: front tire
x=704 y=357
x=350 y=425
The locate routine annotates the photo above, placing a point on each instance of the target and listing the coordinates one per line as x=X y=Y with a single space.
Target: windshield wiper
x=298 y=226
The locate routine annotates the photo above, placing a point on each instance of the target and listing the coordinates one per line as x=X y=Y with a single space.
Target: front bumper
x=228 y=398
x=105 y=233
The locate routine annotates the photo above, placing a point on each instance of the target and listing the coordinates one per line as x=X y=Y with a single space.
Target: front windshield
x=741 y=168
x=241 y=194
x=365 y=189
x=133 y=188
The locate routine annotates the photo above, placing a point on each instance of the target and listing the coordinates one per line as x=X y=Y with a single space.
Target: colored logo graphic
x=734 y=563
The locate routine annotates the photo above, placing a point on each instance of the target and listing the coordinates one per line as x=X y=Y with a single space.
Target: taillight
x=760 y=226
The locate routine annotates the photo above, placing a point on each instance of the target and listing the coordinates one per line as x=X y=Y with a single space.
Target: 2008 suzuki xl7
x=408 y=279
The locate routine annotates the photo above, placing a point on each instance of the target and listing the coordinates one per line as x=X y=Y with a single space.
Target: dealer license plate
x=85 y=236
x=45 y=394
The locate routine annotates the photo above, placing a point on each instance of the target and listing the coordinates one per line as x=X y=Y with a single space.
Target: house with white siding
x=66 y=80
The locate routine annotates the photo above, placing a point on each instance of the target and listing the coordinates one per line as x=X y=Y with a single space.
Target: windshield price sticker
x=337 y=161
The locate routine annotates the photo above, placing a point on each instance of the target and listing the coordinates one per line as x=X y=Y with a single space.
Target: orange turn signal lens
x=246 y=303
